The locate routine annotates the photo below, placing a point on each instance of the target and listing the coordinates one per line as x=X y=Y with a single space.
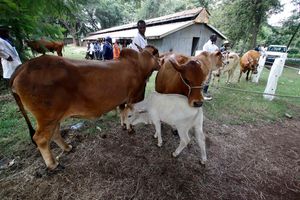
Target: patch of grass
x=13 y=129
x=238 y=107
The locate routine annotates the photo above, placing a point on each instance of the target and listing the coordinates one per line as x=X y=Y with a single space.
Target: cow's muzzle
x=197 y=104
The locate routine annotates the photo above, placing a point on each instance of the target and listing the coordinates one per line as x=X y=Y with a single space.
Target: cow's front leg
x=200 y=138
x=157 y=134
x=184 y=140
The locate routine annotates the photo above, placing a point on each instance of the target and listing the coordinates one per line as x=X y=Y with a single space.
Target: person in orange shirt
x=116 y=49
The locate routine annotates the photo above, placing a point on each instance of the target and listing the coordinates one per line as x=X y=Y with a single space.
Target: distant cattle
x=231 y=62
x=184 y=77
x=42 y=46
x=248 y=63
x=54 y=88
x=174 y=110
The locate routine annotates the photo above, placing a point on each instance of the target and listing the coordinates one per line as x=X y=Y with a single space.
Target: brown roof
x=175 y=17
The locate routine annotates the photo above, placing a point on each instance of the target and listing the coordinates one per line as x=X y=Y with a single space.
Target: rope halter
x=190 y=87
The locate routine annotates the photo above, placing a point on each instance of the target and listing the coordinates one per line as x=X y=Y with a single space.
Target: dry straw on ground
x=244 y=162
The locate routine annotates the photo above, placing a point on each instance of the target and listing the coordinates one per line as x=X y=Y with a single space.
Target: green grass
x=237 y=107
x=228 y=106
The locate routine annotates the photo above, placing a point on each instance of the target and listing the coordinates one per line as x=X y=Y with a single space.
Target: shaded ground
x=244 y=162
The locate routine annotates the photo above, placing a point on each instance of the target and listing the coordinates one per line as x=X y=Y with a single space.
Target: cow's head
x=217 y=60
x=192 y=77
x=211 y=60
x=152 y=55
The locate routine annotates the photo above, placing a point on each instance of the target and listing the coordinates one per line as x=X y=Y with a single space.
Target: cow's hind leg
x=42 y=138
x=58 y=139
x=184 y=140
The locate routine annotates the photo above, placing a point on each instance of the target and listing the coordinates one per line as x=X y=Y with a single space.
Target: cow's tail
x=21 y=107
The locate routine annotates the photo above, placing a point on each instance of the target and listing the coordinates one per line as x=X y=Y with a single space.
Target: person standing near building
x=225 y=46
x=209 y=46
x=116 y=49
x=140 y=38
x=9 y=56
x=108 y=49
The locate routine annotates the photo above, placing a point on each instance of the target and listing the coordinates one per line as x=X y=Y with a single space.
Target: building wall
x=181 y=41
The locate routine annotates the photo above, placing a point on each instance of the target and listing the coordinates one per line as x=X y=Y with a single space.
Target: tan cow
x=54 y=88
x=249 y=63
x=231 y=63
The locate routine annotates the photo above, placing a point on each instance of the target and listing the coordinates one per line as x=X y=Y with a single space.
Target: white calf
x=174 y=110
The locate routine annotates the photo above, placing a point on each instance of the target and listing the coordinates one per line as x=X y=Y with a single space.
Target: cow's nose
x=198 y=103
x=255 y=72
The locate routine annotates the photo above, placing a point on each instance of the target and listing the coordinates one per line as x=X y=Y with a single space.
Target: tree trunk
x=293 y=36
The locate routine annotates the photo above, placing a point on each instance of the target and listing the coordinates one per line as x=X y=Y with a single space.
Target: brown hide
x=168 y=79
x=54 y=88
x=42 y=46
x=248 y=63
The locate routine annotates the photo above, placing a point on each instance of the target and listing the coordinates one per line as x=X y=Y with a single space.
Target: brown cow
x=42 y=46
x=184 y=78
x=249 y=62
x=53 y=88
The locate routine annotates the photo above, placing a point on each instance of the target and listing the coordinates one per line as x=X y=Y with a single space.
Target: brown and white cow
x=185 y=77
x=54 y=88
x=249 y=63
x=42 y=46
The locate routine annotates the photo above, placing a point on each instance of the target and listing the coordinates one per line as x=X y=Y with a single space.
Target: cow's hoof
x=58 y=169
x=174 y=131
x=124 y=127
x=174 y=154
x=159 y=144
x=203 y=162
x=131 y=131
x=69 y=149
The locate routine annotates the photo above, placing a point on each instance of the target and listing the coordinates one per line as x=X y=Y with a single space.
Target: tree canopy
x=244 y=22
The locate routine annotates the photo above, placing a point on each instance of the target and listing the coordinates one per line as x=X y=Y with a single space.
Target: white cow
x=174 y=110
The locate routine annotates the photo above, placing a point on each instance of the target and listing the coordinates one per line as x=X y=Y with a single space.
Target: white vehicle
x=275 y=51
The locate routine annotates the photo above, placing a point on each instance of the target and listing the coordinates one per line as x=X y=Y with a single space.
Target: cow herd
x=54 y=88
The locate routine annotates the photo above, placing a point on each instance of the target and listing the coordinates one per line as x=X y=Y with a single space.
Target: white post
x=274 y=75
x=261 y=64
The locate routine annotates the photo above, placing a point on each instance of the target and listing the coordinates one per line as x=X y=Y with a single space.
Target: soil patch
x=244 y=162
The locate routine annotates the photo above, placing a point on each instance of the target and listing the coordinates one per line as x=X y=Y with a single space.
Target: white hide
x=261 y=64
x=174 y=110
x=274 y=75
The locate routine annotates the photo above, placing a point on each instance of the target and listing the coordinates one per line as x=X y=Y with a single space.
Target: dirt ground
x=244 y=162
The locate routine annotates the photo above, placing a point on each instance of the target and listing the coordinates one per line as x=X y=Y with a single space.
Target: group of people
x=103 y=50
x=108 y=49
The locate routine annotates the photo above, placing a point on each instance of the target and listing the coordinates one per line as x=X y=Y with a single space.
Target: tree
x=241 y=20
x=29 y=19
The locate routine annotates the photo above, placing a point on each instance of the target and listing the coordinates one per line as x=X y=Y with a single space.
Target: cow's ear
x=139 y=48
x=175 y=64
x=161 y=61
